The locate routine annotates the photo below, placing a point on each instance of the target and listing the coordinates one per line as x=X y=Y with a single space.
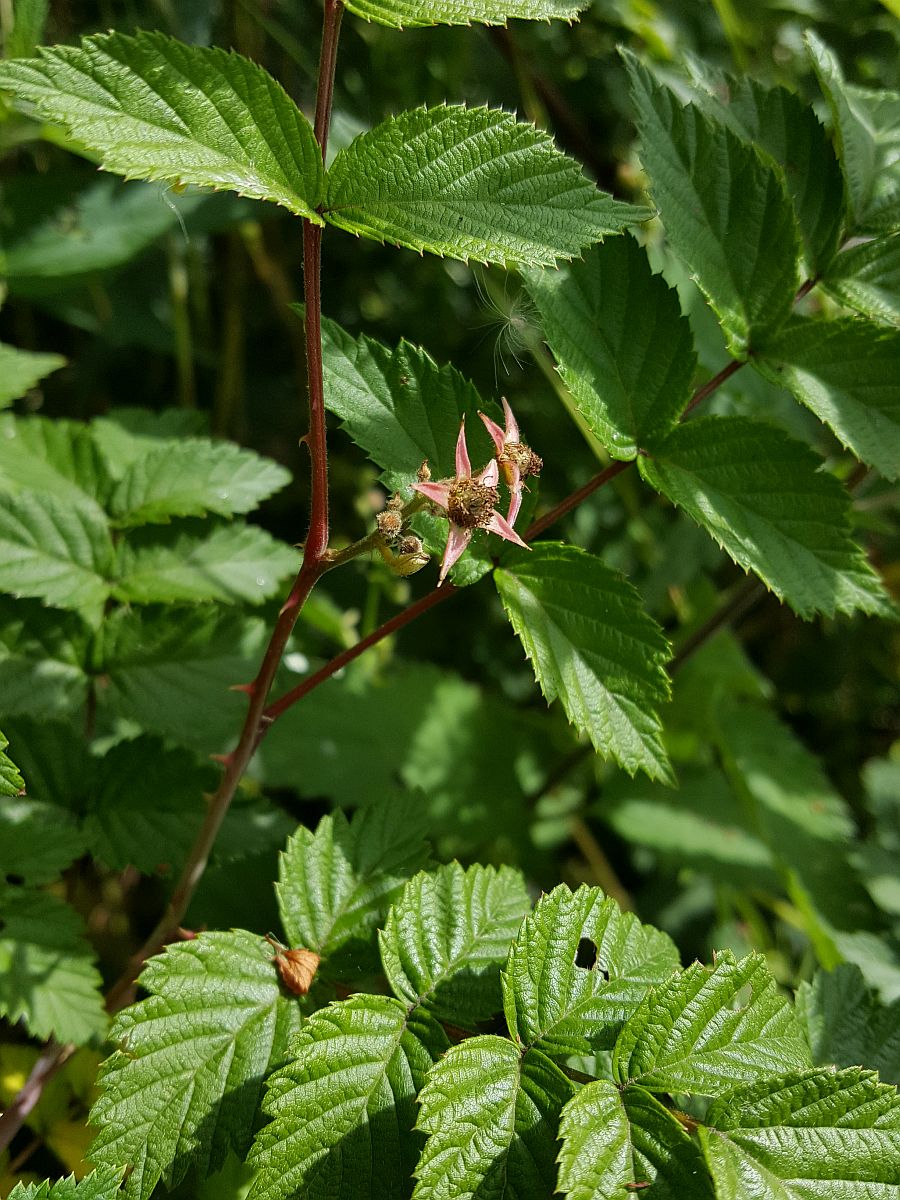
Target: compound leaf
x=866 y=277
x=185 y=1086
x=696 y=1033
x=846 y=373
x=447 y=935
x=20 y=370
x=344 y=1106
x=758 y=493
x=56 y=456
x=593 y=646
x=57 y=551
x=805 y=1136
x=155 y=108
x=101 y=1184
x=232 y=564
x=564 y=1007
x=410 y=13
x=191 y=478
x=624 y=349
x=469 y=183
x=726 y=211
x=47 y=972
x=508 y=1151
x=336 y=883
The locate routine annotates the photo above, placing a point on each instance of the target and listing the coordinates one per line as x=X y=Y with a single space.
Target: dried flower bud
x=395 y=501
x=297 y=968
x=410 y=545
x=424 y=472
x=390 y=523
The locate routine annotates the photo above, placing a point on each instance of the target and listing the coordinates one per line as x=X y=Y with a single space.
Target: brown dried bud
x=524 y=458
x=395 y=501
x=424 y=472
x=390 y=523
x=297 y=968
x=410 y=545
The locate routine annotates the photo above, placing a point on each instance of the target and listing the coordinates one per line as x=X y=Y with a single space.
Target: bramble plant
x=411 y=1026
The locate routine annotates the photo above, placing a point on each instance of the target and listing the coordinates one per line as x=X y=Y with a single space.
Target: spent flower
x=517 y=460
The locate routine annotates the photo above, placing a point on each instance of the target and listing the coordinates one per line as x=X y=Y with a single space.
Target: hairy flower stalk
x=517 y=460
x=468 y=500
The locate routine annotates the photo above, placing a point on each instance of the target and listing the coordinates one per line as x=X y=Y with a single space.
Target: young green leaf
x=446 y=936
x=592 y=645
x=155 y=108
x=185 y=1086
x=508 y=1150
x=697 y=1033
x=193 y=477
x=37 y=839
x=344 y=1106
x=469 y=183
x=198 y=561
x=58 y=551
x=866 y=278
x=47 y=973
x=55 y=456
x=866 y=145
x=399 y=406
x=617 y=1142
x=411 y=13
x=162 y=665
x=623 y=348
x=759 y=494
x=146 y=805
x=20 y=370
x=778 y=122
x=808 y=1134
x=336 y=884
x=846 y=1025
x=101 y=1184
x=725 y=209
x=579 y=969
x=846 y=372
x=11 y=781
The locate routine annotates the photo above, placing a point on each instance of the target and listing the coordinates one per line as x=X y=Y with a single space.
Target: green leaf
x=146 y=805
x=697 y=1033
x=866 y=145
x=566 y=1008
x=725 y=209
x=29 y=19
x=614 y=1139
x=592 y=645
x=508 y=1150
x=11 y=781
x=101 y=1184
x=758 y=493
x=191 y=478
x=866 y=277
x=778 y=122
x=623 y=348
x=846 y=372
x=155 y=108
x=42 y=652
x=126 y=435
x=846 y=1025
x=20 y=370
x=796 y=811
x=193 y=562
x=446 y=936
x=171 y=670
x=47 y=973
x=469 y=183
x=410 y=13
x=185 y=1086
x=336 y=884
x=807 y=1136
x=37 y=839
x=55 y=456
x=344 y=1106
x=400 y=407
x=58 y=551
